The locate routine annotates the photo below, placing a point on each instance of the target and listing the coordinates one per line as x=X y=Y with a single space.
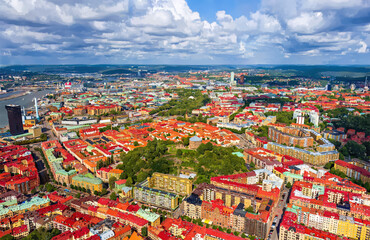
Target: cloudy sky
x=185 y=31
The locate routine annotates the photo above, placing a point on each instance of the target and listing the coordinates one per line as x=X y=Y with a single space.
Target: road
x=41 y=168
x=43 y=172
x=280 y=211
x=244 y=143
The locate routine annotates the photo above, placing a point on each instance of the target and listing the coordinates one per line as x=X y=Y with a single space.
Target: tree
x=8 y=237
x=112 y=181
x=113 y=196
x=252 y=165
x=103 y=192
x=329 y=165
x=129 y=182
x=144 y=231
x=288 y=185
x=337 y=144
x=243 y=235
x=263 y=131
x=99 y=164
x=50 y=188
x=356 y=150
x=141 y=176
x=367 y=146
x=33 y=191
x=78 y=195
x=136 y=144
x=178 y=153
x=249 y=209
x=123 y=175
x=185 y=141
x=55 y=232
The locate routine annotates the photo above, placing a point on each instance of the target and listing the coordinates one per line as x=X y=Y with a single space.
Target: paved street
x=41 y=168
x=43 y=173
x=279 y=212
x=244 y=143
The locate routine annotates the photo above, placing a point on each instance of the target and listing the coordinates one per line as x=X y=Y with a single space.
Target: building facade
x=166 y=182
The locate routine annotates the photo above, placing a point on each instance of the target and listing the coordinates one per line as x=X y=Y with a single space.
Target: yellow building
x=36 y=131
x=182 y=186
x=88 y=181
x=315 y=158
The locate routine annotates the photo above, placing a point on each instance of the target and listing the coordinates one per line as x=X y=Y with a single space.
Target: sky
x=239 y=32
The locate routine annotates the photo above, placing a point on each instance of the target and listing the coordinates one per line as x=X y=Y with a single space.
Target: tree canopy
x=143 y=162
x=358 y=123
x=189 y=99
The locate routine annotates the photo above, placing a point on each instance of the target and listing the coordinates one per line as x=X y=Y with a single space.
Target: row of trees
x=43 y=137
x=45 y=162
x=106 y=163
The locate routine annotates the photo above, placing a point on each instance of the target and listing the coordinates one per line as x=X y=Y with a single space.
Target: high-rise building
x=15 y=119
x=328 y=87
x=366 y=88
x=232 y=78
x=36 y=109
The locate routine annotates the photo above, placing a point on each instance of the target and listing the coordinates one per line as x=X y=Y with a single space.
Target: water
x=25 y=101
x=4 y=95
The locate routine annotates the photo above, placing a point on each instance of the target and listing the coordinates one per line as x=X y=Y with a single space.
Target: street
x=43 y=173
x=244 y=143
x=279 y=212
x=41 y=168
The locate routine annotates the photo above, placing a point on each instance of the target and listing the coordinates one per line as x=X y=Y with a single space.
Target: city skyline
x=183 y=32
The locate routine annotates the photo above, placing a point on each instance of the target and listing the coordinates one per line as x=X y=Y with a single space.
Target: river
x=25 y=101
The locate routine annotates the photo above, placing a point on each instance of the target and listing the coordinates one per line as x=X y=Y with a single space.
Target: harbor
x=25 y=101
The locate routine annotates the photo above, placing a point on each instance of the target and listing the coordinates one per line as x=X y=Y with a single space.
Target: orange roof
x=135 y=236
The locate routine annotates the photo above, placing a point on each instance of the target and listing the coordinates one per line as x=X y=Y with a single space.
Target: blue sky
x=184 y=32
x=236 y=8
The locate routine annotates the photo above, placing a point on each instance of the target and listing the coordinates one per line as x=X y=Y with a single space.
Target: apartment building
x=290 y=136
x=353 y=171
x=166 y=182
x=155 y=197
x=312 y=157
x=217 y=205
x=335 y=134
x=88 y=181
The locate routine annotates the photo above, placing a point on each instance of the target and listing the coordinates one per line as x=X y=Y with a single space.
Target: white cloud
x=157 y=18
x=307 y=22
x=331 y=4
x=25 y=35
x=363 y=48
x=151 y=29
